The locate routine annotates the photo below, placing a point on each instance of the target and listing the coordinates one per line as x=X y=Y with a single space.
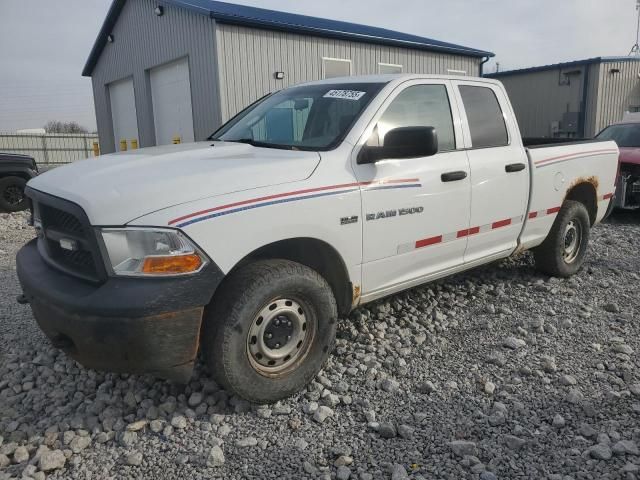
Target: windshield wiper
x=256 y=143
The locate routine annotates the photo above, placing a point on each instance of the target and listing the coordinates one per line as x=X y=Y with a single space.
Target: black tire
x=12 y=197
x=235 y=311
x=552 y=257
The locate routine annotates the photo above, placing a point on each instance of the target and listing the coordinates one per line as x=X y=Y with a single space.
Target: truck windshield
x=312 y=117
x=626 y=135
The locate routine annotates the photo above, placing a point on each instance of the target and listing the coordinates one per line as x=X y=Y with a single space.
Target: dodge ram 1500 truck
x=314 y=200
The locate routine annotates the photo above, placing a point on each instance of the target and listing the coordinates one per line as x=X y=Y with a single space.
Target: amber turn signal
x=172 y=265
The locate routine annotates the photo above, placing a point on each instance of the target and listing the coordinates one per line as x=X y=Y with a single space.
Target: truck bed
x=557 y=169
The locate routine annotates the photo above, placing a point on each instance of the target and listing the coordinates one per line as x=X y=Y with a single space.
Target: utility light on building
x=110 y=38
x=159 y=11
x=279 y=75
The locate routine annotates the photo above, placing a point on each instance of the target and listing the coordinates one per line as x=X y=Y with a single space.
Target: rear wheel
x=12 y=197
x=563 y=252
x=270 y=330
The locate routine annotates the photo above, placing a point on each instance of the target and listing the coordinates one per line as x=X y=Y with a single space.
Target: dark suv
x=15 y=171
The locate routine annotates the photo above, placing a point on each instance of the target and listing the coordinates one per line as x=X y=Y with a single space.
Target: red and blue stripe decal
x=288 y=197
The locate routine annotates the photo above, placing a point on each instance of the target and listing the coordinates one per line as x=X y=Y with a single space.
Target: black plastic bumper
x=126 y=325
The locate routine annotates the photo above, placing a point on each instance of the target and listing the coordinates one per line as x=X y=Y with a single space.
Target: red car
x=627 y=136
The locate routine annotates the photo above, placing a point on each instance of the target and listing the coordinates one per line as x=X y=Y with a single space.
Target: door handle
x=453 y=176
x=515 y=167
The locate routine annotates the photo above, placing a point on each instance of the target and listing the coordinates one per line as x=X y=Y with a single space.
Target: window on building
x=421 y=106
x=385 y=68
x=336 y=67
x=486 y=120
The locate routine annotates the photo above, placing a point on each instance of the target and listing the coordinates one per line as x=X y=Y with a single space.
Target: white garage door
x=123 y=112
x=171 y=94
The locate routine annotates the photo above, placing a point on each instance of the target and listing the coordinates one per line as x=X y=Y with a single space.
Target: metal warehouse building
x=574 y=99
x=180 y=68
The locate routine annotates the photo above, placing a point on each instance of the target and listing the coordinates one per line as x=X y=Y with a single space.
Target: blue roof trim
x=274 y=20
x=556 y=66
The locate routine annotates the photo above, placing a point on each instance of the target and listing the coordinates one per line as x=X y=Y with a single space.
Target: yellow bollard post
x=96 y=149
x=177 y=140
x=123 y=145
x=134 y=144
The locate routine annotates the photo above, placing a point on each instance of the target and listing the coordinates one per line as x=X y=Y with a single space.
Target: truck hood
x=118 y=188
x=630 y=155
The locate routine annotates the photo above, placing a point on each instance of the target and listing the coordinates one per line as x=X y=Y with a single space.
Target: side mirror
x=405 y=142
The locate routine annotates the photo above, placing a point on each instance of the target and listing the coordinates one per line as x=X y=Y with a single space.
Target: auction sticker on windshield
x=345 y=94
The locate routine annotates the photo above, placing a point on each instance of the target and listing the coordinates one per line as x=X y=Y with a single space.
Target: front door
x=415 y=211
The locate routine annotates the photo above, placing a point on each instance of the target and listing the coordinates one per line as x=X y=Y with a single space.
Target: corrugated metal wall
x=538 y=99
x=248 y=59
x=143 y=41
x=617 y=92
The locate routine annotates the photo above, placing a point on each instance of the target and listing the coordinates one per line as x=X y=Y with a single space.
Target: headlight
x=151 y=252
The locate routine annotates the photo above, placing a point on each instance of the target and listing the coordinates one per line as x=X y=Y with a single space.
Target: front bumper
x=126 y=325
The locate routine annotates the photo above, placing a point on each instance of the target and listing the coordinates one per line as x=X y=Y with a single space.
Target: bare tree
x=55 y=126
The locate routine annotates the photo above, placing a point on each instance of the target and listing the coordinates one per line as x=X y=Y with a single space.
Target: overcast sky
x=44 y=44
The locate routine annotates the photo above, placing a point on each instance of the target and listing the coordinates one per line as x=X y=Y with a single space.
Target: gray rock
x=390 y=385
x=179 y=422
x=52 y=460
x=622 y=348
x=20 y=455
x=558 y=421
x=216 y=457
x=626 y=447
x=406 y=432
x=600 y=452
x=463 y=448
x=127 y=439
x=343 y=473
x=611 y=307
x=399 y=473
x=387 y=430
x=247 y=442
x=513 y=343
x=343 y=460
x=195 y=399
x=587 y=430
x=4 y=461
x=568 y=380
x=575 y=396
x=322 y=414
x=79 y=443
x=514 y=443
x=134 y=459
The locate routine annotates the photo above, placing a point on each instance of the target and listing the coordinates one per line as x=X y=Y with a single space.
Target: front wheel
x=269 y=330
x=563 y=252
x=12 y=197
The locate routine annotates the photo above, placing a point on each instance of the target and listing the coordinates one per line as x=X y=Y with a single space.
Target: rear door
x=414 y=222
x=499 y=170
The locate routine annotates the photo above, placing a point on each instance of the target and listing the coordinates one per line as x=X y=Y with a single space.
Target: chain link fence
x=50 y=149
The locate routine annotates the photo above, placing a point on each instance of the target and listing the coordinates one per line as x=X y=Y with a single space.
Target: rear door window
x=485 y=117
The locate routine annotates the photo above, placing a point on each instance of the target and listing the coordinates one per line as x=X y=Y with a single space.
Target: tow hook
x=22 y=299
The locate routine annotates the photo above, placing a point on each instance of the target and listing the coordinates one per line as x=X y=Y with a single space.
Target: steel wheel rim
x=280 y=337
x=572 y=241
x=13 y=195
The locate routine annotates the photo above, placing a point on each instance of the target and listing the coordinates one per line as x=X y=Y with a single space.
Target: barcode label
x=345 y=94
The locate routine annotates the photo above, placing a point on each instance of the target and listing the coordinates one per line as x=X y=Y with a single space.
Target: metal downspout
x=486 y=59
x=585 y=98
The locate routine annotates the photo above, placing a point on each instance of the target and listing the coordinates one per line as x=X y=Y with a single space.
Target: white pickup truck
x=311 y=202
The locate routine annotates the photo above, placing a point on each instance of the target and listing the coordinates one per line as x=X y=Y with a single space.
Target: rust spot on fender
x=593 y=180
x=356 y=295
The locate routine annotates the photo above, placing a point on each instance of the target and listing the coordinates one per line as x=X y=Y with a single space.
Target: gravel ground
x=497 y=373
